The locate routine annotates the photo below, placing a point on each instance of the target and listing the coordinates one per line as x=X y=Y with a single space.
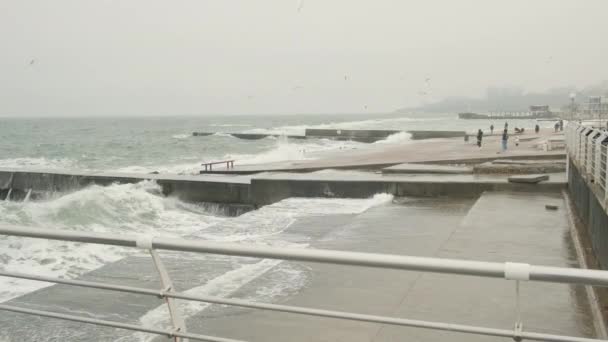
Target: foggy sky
x=150 y=57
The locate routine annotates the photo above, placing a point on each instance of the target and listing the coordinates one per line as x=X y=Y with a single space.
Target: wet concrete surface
x=408 y=168
x=495 y=227
x=500 y=227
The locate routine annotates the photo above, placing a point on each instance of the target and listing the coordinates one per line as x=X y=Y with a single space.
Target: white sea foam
x=397 y=138
x=222 y=286
x=222 y=134
x=289 y=150
x=185 y=168
x=120 y=209
x=181 y=136
x=137 y=209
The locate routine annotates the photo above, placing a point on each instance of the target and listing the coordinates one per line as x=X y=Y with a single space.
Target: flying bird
x=32 y=62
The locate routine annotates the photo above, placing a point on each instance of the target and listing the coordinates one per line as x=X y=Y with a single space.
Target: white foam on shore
x=222 y=286
x=118 y=209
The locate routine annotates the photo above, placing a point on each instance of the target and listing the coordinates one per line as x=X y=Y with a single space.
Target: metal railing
x=601 y=172
x=209 y=166
x=515 y=272
x=587 y=149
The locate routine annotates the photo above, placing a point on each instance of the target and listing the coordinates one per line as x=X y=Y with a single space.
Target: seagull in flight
x=32 y=62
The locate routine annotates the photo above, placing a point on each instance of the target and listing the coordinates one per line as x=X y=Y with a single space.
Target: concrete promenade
x=497 y=227
x=446 y=151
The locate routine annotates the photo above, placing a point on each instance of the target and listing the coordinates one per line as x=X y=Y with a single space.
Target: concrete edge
x=304 y=169
x=599 y=321
x=487 y=159
x=378 y=166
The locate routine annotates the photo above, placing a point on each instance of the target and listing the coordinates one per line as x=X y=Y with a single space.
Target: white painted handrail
x=510 y=271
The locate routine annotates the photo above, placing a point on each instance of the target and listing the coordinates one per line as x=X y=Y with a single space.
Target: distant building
x=595 y=105
x=537 y=110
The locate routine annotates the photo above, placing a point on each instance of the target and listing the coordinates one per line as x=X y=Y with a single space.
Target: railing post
x=598 y=156
x=167 y=286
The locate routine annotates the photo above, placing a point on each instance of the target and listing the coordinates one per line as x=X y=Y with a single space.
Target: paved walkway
x=499 y=227
x=426 y=151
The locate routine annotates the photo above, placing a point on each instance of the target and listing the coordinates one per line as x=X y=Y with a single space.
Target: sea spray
x=117 y=209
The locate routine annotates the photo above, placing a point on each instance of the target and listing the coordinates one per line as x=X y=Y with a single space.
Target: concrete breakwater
x=240 y=194
x=232 y=192
x=365 y=136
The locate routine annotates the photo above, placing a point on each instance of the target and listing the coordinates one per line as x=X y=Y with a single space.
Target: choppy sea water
x=167 y=145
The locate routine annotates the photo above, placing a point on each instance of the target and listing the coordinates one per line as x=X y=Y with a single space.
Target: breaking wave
x=181 y=136
x=118 y=209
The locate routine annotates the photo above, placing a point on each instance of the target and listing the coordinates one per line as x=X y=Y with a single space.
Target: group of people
x=505 y=134
x=559 y=125
x=504 y=139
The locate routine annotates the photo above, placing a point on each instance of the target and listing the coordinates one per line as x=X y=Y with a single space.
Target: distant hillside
x=510 y=99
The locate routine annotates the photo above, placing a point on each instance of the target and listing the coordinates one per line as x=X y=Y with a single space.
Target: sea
x=166 y=145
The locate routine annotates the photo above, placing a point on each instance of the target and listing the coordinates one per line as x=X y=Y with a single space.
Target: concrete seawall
x=265 y=191
x=226 y=190
x=418 y=135
x=244 y=192
x=591 y=212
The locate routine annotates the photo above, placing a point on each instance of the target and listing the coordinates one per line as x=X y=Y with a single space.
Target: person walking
x=479 y=137
x=536 y=128
x=505 y=137
x=506 y=125
x=492 y=129
x=556 y=126
x=561 y=125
